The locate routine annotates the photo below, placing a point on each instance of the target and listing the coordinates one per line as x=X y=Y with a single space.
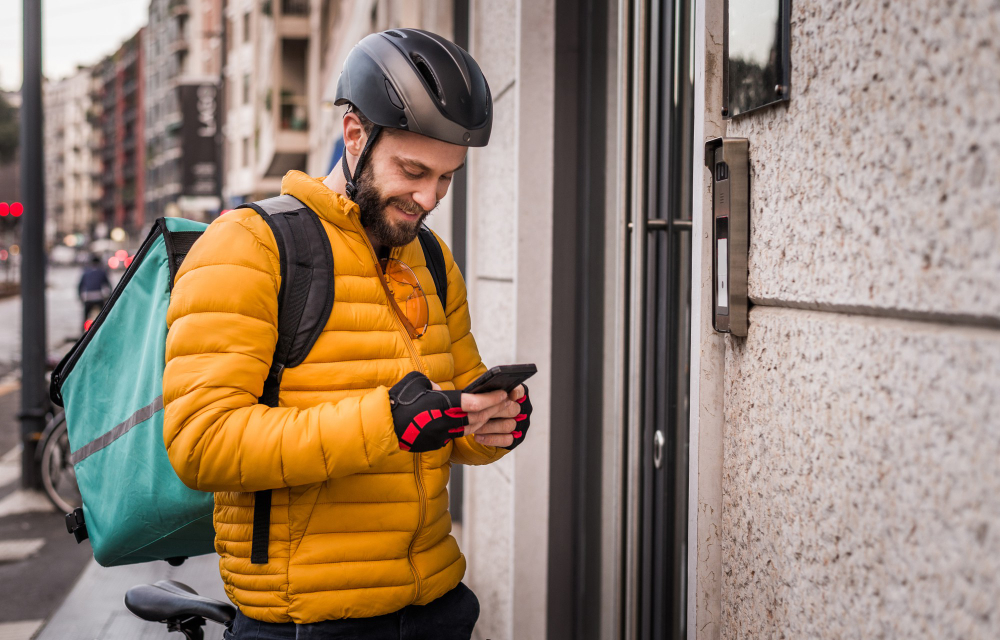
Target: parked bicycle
x=58 y=474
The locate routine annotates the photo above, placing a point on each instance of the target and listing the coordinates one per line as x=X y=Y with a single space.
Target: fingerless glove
x=523 y=420
x=425 y=419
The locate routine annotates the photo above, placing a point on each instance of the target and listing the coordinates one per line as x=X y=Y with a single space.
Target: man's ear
x=354 y=134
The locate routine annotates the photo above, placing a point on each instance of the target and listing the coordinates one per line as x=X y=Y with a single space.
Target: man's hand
x=424 y=417
x=495 y=416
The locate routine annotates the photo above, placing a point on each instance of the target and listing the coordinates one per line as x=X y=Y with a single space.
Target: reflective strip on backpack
x=136 y=418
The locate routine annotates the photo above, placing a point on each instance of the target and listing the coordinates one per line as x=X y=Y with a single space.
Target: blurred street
x=39 y=561
x=65 y=318
x=50 y=587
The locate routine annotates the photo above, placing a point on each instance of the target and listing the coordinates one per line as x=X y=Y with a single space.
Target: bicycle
x=58 y=474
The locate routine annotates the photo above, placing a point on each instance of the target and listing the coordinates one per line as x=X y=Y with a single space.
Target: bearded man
x=359 y=543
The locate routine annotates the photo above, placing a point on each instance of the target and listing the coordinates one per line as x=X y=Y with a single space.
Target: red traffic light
x=14 y=209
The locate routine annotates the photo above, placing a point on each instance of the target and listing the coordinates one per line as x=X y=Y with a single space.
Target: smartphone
x=505 y=377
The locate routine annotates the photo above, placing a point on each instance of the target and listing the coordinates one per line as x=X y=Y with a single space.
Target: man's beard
x=375 y=212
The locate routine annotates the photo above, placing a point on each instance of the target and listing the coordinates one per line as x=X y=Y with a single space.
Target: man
x=359 y=539
x=93 y=290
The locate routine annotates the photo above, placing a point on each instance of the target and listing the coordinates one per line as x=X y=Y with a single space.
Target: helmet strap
x=352 y=182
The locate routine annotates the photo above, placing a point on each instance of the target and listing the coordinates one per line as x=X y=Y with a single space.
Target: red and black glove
x=523 y=420
x=425 y=419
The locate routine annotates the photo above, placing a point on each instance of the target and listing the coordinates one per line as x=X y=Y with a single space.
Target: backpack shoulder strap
x=435 y=263
x=306 y=296
x=304 y=304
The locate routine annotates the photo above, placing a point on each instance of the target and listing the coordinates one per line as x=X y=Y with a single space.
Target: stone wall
x=860 y=475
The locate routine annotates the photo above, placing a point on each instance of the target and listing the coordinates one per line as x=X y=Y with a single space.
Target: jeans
x=451 y=617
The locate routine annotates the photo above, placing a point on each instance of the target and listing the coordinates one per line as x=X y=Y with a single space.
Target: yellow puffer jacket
x=359 y=528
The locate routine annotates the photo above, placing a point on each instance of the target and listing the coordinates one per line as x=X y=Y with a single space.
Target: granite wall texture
x=878 y=185
x=861 y=490
x=861 y=479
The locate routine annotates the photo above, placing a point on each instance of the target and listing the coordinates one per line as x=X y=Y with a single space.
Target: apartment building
x=267 y=80
x=183 y=108
x=71 y=169
x=119 y=143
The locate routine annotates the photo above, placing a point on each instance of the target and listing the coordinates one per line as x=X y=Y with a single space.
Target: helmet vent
x=428 y=76
x=394 y=34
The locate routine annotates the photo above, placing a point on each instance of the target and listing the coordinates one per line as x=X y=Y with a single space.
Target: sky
x=74 y=32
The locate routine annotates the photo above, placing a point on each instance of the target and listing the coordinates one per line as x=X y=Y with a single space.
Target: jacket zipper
x=421 y=497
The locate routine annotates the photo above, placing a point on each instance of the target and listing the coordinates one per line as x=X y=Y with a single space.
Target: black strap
x=177 y=244
x=304 y=304
x=261 y=527
x=435 y=264
x=352 y=182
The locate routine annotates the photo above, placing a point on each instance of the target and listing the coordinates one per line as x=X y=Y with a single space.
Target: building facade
x=183 y=108
x=120 y=143
x=70 y=166
x=268 y=77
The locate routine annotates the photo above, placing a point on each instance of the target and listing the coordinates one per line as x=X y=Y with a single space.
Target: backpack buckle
x=76 y=525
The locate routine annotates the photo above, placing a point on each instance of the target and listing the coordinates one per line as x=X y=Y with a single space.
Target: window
x=246 y=152
x=246 y=88
x=246 y=27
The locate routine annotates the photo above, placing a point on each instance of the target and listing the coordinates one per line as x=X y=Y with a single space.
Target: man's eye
x=446 y=178
x=411 y=176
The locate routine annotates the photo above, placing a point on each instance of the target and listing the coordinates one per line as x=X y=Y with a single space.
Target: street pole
x=33 y=392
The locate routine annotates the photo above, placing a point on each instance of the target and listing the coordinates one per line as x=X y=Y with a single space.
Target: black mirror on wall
x=757 y=67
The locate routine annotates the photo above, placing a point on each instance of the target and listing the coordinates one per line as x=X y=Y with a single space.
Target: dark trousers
x=451 y=617
x=88 y=307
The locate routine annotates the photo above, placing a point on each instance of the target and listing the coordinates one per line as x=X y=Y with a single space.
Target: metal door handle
x=658 y=448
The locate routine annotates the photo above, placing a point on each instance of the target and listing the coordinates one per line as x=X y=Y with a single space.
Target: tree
x=9 y=131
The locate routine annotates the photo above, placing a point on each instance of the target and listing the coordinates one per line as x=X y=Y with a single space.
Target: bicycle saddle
x=167 y=600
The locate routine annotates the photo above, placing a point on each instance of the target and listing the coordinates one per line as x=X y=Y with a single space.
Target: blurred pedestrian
x=94 y=289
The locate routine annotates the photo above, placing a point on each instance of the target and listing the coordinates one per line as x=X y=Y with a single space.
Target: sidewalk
x=95 y=608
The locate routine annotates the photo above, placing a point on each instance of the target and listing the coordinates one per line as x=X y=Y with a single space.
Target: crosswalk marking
x=25 y=501
x=10 y=471
x=10 y=466
x=21 y=630
x=17 y=550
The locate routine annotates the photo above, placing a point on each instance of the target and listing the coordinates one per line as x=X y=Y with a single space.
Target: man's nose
x=426 y=197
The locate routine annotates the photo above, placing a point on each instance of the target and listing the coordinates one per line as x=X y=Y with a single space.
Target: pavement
x=50 y=586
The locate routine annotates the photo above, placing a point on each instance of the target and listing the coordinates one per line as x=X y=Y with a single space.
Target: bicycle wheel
x=58 y=475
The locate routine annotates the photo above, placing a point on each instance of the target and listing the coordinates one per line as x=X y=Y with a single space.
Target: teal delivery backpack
x=135 y=508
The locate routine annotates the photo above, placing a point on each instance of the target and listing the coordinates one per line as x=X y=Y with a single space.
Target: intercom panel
x=729 y=161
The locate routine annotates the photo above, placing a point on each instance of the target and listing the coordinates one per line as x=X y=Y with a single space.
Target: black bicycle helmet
x=415 y=81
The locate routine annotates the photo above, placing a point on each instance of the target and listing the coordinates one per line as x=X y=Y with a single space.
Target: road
x=39 y=561
x=63 y=310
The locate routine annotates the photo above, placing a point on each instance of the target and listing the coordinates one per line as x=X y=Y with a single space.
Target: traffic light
x=14 y=209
